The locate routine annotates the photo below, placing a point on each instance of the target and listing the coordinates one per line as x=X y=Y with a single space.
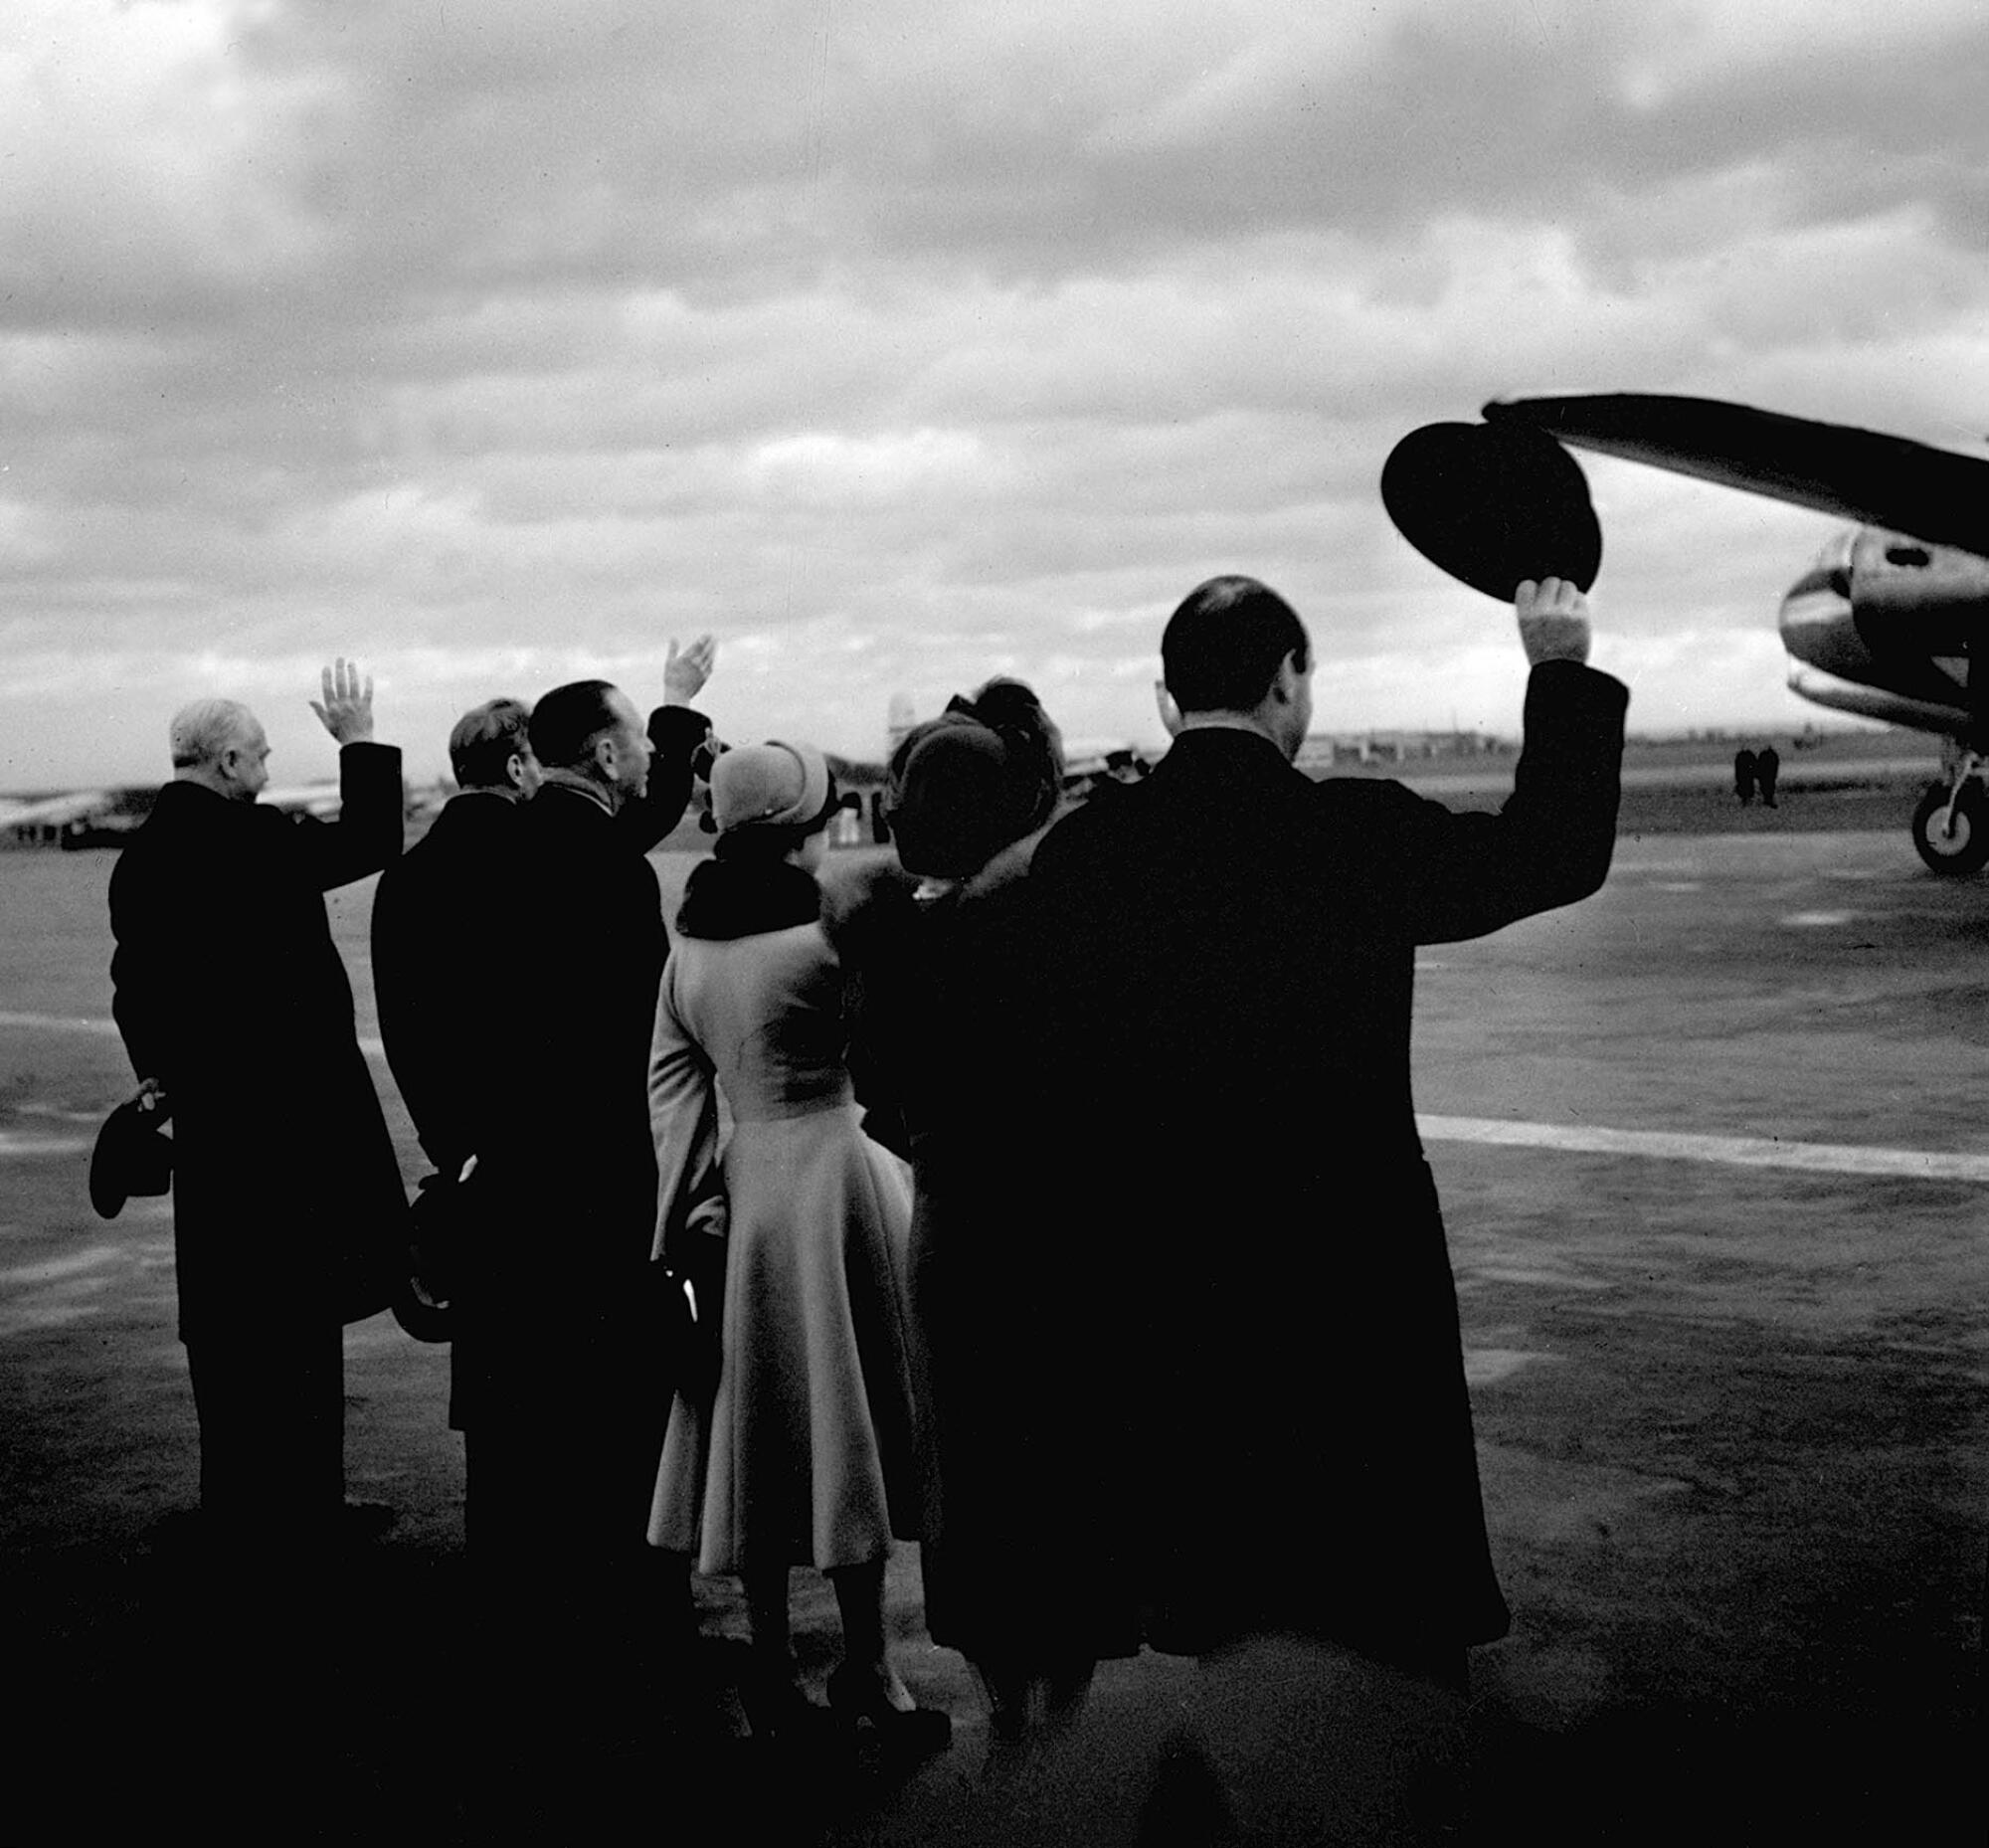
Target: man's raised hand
x=1553 y=620
x=685 y=673
x=347 y=711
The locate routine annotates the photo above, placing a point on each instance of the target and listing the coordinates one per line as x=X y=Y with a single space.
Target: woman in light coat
x=801 y=1452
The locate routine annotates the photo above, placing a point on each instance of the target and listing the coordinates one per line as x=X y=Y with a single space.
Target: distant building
x=1340 y=750
x=899 y=718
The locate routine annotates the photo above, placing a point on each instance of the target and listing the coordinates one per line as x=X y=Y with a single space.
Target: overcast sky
x=494 y=342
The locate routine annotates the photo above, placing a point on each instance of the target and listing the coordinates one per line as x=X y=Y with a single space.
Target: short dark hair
x=485 y=741
x=567 y=721
x=1224 y=646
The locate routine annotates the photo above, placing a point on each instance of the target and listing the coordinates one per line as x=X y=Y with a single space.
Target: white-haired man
x=235 y=1011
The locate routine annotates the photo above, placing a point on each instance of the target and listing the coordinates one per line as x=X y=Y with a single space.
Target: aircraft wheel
x=1966 y=847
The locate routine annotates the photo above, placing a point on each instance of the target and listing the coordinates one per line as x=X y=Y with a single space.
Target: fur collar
x=724 y=899
x=865 y=905
x=1009 y=866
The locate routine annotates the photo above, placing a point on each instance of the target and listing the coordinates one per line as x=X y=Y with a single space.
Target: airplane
x=54 y=812
x=1886 y=623
x=1086 y=761
x=105 y=817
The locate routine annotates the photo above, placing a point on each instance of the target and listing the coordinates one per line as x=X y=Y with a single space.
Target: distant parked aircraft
x=103 y=816
x=1085 y=760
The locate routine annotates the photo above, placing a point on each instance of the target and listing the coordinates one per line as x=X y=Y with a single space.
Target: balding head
x=201 y=731
x=219 y=743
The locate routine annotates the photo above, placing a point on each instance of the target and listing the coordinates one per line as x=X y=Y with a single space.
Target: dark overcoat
x=1268 y=1378
x=558 y=1379
x=449 y=947
x=444 y=937
x=287 y=1201
x=471 y=954
x=940 y=990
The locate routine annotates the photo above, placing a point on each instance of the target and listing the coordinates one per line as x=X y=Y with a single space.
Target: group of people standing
x=1158 y=1346
x=1756 y=770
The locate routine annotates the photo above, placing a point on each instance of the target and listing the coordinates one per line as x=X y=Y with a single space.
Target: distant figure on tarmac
x=288 y=1204
x=1271 y=1377
x=1747 y=767
x=1767 y=767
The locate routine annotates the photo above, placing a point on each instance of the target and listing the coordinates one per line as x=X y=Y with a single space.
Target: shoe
x=360 y=1524
x=857 y=1697
x=777 y=1711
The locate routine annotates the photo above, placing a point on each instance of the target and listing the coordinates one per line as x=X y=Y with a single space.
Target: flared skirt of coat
x=805 y=1454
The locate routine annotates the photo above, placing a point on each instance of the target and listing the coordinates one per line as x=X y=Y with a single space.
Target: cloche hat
x=770 y=785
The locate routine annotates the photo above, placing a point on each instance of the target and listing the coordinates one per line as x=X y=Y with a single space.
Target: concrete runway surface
x=1715 y=1163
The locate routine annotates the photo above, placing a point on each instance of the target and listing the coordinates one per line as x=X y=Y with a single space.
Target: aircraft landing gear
x=1951 y=825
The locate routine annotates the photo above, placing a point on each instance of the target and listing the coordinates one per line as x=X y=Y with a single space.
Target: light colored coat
x=805 y=1453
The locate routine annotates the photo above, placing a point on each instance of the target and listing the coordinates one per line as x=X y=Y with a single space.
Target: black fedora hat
x=440 y=1223
x=132 y=1156
x=421 y=1316
x=1492 y=504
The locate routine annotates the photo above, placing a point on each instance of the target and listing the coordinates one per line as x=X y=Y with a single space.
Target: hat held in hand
x=132 y=1159
x=1493 y=505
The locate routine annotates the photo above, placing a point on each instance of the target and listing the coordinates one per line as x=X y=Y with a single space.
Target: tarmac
x=1714 y=1163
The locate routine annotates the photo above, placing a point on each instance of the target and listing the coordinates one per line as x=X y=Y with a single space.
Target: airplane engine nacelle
x=1925 y=599
x=1891 y=615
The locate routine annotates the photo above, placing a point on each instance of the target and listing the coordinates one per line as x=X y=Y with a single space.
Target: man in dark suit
x=443 y=936
x=517 y=951
x=448 y=948
x=560 y=1380
x=235 y=1011
x=446 y=945
x=1270 y=1366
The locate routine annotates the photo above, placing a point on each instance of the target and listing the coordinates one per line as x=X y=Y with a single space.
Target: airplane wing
x=1938 y=495
x=318 y=798
x=55 y=810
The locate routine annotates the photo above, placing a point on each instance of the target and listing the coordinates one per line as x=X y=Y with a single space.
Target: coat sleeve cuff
x=677 y=731
x=1580 y=688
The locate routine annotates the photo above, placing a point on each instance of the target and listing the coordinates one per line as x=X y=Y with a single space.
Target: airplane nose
x=1818 y=624
x=1817 y=599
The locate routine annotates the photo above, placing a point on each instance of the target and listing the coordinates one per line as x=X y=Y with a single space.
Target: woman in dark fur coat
x=939 y=954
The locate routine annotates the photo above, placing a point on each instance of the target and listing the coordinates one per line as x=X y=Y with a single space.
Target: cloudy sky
x=494 y=342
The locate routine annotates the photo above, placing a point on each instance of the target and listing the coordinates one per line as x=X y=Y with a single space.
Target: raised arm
x=1464 y=874
x=676 y=730
x=368 y=831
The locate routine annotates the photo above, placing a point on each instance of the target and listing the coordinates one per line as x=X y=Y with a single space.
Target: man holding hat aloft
x=1274 y=1368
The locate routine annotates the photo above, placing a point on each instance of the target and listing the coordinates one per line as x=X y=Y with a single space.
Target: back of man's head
x=201 y=731
x=486 y=740
x=566 y=723
x=1223 y=646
